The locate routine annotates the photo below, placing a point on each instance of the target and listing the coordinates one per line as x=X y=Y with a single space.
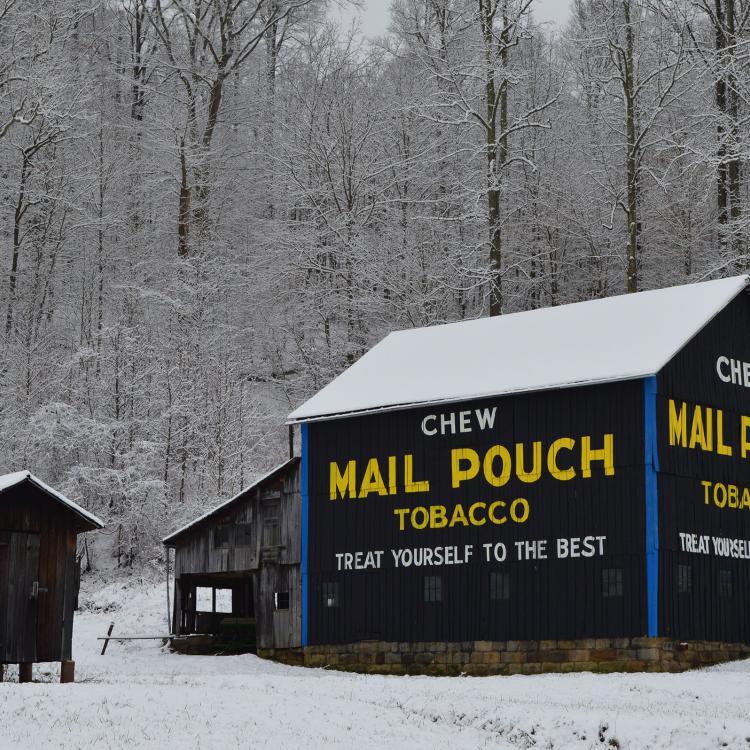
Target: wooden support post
x=2 y=672
x=106 y=640
x=25 y=671
x=67 y=671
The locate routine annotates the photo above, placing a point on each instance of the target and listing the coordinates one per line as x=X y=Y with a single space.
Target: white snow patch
x=140 y=696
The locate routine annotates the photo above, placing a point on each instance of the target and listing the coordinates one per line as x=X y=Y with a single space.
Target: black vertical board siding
x=41 y=538
x=549 y=599
x=692 y=377
x=4 y=590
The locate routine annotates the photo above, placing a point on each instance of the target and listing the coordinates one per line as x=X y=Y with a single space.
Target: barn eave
x=614 y=339
x=174 y=537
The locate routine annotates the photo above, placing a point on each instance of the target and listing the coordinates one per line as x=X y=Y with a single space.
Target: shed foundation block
x=67 y=672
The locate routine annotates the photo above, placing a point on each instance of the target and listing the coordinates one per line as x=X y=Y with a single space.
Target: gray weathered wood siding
x=272 y=566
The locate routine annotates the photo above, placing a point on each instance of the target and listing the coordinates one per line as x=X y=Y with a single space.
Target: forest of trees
x=210 y=208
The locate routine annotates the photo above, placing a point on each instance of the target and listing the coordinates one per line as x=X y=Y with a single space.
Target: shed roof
x=7 y=481
x=598 y=341
x=170 y=540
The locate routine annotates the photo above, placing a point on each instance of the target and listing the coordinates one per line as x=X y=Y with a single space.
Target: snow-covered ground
x=141 y=696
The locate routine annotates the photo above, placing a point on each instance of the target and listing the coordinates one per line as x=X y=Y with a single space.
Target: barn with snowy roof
x=564 y=488
x=237 y=570
x=39 y=573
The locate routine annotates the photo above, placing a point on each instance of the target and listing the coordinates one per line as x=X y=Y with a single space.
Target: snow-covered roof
x=169 y=540
x=12 y=480
x=616 y=338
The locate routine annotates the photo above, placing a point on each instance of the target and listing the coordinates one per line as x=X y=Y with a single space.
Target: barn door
x=19 y=590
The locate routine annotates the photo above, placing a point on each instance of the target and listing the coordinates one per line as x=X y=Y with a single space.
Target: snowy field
x=140 y=696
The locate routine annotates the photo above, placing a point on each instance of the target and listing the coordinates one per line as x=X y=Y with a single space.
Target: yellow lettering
x=401 y=512
x=491 y=513
x=744 y=443
x=524 y=510
x=560 y=444
x=721 y=449
x=472 y=514
x=745 y=498
x=372 y=480
x=458 y=475
x=501 y=452
x=438 y=519
x=733 y=500
x=678 y=425
x=697 y=430
x=458 y=516
x=536 y=465
x=706 y=488
x=720 y=495
x=409 y=484
x=605 y=454
x=392 y=482
x=424 y=520
x=343 y=484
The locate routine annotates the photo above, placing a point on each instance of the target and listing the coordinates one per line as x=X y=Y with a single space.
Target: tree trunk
x=632 y=156
x=183 y=220
x=18 y=213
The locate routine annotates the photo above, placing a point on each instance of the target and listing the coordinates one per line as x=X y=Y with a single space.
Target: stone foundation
x=514 y=657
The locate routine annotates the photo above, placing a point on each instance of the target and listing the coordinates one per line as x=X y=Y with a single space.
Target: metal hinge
x=36 y=589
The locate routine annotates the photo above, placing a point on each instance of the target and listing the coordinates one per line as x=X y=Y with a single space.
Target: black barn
x=38 y=572
x=554 y=476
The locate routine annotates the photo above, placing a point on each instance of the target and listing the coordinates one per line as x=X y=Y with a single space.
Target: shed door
x=19 y=576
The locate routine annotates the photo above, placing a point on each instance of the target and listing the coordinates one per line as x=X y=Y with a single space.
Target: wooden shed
x=38 y=572
x=237 y=569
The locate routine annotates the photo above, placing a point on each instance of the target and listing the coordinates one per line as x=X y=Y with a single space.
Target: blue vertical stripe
x=652 y=505
x=305 y=493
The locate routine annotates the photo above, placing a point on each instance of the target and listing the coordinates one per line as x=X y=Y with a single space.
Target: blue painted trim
x=305 y=493
x=652 y=505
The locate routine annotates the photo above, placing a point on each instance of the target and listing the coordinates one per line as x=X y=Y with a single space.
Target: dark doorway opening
x=221 y=606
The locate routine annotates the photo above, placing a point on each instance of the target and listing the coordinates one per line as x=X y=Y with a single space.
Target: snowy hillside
x=141 y=696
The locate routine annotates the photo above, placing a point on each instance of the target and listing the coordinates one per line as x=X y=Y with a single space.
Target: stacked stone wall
x=514 y=657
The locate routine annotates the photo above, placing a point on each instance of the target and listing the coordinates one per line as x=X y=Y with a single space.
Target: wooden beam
x=135 y=638
x=106 y=640
x=25 y=671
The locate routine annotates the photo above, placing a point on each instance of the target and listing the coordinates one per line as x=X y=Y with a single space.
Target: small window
x=221 y=536
x=281 y=597
x=330 y=595
x=204 y=599
x=433 y=589
x=243 y=535
x=612 y=582
x=499 y=587
x=223 y=601
x=726 y=589
x=281 y=600
x=684 y=579
x=271 y=525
